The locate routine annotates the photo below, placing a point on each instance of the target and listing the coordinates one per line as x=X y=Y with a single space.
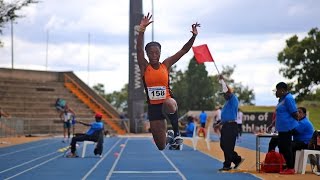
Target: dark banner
x=254 y=122
x=136 y=89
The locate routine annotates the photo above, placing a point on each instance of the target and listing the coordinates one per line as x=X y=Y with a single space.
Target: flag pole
x=216 y=68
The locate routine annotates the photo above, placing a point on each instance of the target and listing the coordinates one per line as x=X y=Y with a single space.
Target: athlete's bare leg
x=170 y=111
x=169 y=106
x=159 y=132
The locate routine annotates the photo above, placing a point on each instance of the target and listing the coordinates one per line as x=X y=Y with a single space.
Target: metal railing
x=11 y=127
x=110 y=116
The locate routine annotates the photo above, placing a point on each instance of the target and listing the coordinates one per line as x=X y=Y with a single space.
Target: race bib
x=157 y=92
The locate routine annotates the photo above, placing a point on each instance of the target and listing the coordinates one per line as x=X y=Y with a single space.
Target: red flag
x=202 y=54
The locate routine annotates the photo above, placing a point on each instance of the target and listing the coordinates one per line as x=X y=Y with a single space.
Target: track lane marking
x=145 y=172
x=96 y=165
x=179 y=172
x=26 y=149
x=27 y=162
x=116 y=161
x=33 y=167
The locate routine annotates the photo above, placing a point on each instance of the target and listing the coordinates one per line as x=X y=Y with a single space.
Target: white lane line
x=116 y=161
x=33 y=167
x=145 y=172
x=26 y=162
x=179 y=172
x=96 y=165
x=33 y=147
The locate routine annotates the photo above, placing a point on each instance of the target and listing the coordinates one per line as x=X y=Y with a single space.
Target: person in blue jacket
x=203 y=118
x=286 y=121
x=302 y=134
x=95 y=133
x=189 y=128
x=229 y=130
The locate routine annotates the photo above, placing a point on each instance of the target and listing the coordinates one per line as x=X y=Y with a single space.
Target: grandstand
x=29 y=96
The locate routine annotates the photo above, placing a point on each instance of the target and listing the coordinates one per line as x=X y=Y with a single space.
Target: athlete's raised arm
x=173 y=59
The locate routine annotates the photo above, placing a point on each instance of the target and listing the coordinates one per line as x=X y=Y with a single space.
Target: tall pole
x=12 y=44
x=152 y=36
x=136 y=96
x=47 y=49
x=88 y=58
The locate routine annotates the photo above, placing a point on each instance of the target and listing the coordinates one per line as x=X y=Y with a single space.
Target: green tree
x=8 y=11
x=302 y=63
x=99 y=88
x=119 y=99
x=314 y=96
x=200 y=87
x=195 y=90
x=179 y=86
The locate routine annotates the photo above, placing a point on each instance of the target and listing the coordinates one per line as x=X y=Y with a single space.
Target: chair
x=194 y=139
x=85 y=143
x=302 y=158
x=96 y=140
x=208 y=136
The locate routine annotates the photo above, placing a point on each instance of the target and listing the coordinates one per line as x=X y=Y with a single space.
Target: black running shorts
x=155 y=112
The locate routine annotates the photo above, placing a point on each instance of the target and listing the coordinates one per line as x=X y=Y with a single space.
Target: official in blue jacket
x=229 y=130
x=286 y=121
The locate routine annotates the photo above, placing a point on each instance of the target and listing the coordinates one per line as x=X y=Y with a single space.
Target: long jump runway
x=124 y=158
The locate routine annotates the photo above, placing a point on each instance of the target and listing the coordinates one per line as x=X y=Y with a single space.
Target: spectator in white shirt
x=239 y=122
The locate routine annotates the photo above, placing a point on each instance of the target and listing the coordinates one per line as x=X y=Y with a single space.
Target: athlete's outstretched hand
x=146 y=20
x=194 y=28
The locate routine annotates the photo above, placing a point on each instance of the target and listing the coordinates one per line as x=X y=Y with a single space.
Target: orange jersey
x=156 y=83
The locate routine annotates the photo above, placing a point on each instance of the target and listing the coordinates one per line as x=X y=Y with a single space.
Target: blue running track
x=124 y=158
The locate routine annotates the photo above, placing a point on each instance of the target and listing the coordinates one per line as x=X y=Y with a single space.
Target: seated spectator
x=95 y=133
x=60 y=104
x=302 y=134
x=189 y=128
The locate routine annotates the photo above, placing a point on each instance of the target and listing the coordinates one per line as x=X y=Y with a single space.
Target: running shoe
x=72 y=155
x=170 y=137
x=178 y=140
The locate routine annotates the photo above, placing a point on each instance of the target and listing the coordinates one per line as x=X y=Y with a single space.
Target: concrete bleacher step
x=37 y=106
x=45 y=114
x=46 y=111
x=29 y=83
x=31 y=95
x=30 y=90
x=21 y=104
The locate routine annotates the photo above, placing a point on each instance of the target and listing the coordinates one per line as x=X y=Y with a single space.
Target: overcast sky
x=247 y=33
